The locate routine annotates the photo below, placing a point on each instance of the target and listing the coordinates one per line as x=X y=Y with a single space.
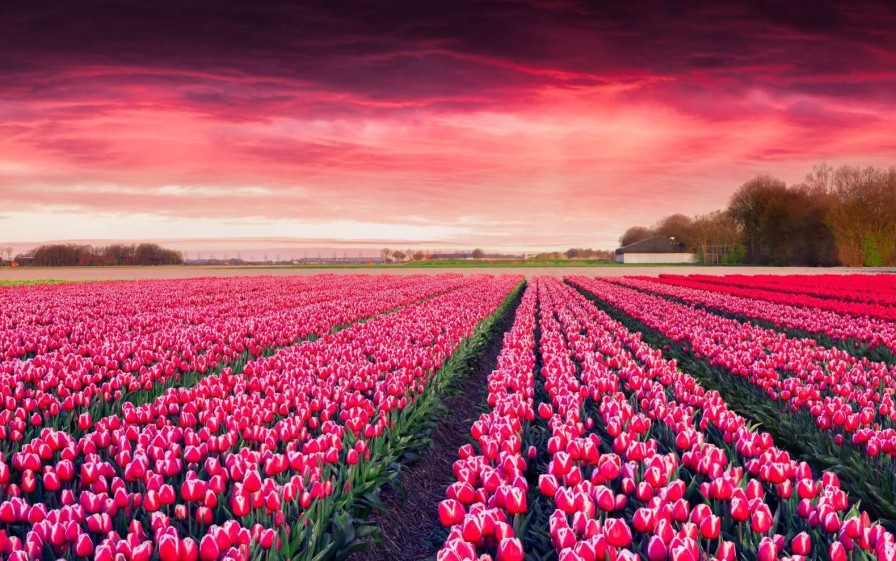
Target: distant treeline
x=578 y=253
x=843 y=216
x=389 y=255
x=65 y=255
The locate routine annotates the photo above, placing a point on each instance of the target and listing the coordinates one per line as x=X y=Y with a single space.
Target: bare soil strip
x=410 y=527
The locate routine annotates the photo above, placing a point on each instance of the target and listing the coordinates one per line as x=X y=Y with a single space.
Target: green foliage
x=735 y=256
x=66 y=255
x=31 y=282
x=871 y=252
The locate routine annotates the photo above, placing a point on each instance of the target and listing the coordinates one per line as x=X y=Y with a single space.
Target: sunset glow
x=505 y=125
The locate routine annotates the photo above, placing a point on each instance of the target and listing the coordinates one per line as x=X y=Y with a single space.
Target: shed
x=655 y=250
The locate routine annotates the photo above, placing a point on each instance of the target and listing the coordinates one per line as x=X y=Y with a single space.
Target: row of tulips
x=832 y=409
x=646 y=463
x=868 y=289
x=68 y=387
x=849 y=397
x=796 y=316
x=855 y=309
x=267 y=460
x=483 y=507
x=129 y=316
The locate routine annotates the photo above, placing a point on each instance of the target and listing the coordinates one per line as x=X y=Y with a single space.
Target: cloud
x=521 y=123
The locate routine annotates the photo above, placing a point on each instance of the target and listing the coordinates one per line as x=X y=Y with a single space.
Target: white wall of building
x=656 y=258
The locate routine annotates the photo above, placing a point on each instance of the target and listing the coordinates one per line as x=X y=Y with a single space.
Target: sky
x=499 y=124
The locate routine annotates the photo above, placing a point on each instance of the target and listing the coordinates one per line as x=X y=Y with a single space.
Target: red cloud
x=565 y=128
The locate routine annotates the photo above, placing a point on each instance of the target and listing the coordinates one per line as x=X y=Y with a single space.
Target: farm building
x=656 y=249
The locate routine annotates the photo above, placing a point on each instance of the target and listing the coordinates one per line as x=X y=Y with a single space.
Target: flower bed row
x=644 y=463
x=865 y=332
x=648 y=463
x=832 y=408
x=268 y=461
x=69 y=387
x=855 y=309
x=483 y=508
x=867 y=289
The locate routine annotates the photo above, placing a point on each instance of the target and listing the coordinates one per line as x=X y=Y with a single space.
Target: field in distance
x=29 y=275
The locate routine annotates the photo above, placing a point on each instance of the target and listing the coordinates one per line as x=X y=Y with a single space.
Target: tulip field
x=688 y=418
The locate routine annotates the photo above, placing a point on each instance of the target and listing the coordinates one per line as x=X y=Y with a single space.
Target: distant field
x=27 y=282
x=10 y=275
x=456 y=264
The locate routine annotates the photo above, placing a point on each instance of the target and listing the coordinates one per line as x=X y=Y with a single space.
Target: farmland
x=689 y=417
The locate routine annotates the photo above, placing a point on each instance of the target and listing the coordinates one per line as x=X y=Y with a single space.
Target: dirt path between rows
x=411 y=529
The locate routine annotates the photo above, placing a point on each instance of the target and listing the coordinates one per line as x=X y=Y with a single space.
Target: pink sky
x=506 y=126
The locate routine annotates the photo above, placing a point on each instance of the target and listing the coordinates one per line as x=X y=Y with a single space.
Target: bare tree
x=634 y=235
x=675 y=226
x=714 y=235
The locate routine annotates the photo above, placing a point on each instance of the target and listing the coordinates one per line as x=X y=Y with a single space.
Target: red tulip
x=767 y=550
x=83 y=546
x=510 y=549
x=761 y=520
x=547 y=484
x=189 y=550
x=617 y=532
x=169 y=548
x=726 y=551
x=656 y=549
x=836 y=552
x=472 y=529
x=451 y=512
x=801 y=544
x=515 y=502
x=208 y=549
x=644 y=520
x=711 y=527
x=142 y=552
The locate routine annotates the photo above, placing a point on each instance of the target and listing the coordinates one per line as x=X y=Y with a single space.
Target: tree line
x=835 y=216
x=577 y=253
x=391 y=255
x=67 y=255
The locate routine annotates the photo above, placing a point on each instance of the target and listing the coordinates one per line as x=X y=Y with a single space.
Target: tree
x=580 y=253
x=399 y=255
x=750 y=206
x=8 y=251
x=60 y=255
x=863 y=215
x=676 y=226
x=385 y=253
x=635 y=234
x=478 y=253
x=714 y=236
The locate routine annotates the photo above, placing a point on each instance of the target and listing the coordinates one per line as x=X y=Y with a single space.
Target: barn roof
x=655 y=244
